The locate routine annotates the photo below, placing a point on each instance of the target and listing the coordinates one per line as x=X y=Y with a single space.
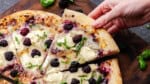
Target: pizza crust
x=17 y=19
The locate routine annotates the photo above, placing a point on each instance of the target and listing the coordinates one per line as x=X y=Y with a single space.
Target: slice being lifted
x=77 y=41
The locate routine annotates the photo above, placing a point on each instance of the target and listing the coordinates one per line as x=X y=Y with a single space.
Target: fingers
x=103 y=20
x=98 y=11
x=113 y=29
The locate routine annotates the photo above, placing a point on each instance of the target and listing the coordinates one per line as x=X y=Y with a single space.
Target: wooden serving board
x=130 y=44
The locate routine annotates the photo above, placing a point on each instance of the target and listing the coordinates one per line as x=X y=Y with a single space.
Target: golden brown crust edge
x=19 y=18
x=114 y=75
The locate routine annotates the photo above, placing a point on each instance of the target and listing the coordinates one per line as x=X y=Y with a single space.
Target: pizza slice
x=76 y=41
x=106 y=72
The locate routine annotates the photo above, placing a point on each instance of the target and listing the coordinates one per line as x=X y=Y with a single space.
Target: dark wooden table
x=130 y=44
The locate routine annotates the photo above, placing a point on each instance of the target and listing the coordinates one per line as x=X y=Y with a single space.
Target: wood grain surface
x=130 y=44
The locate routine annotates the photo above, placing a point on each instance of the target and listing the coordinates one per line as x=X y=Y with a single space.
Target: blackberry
x=92 y=81
x=14 y=73
x=27 y=42
x=48 y=43
x=68 y=26
x=35 y=52
x=24 y=31
x=3 y=43
x=86 y=69
x=9 y=55
x=54 y=62
x=77 y=38
x=75 y=81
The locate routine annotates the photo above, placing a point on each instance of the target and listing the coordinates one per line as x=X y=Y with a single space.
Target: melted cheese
x=87 y=54
x=54 y=78
x=10 y=47
x=26 y=60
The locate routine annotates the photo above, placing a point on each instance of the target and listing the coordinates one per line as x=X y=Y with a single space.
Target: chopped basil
x=63 y=82
x=31 y=66
x=80 y=45
x=93 y=75
x=64 y=44
x=43 y=36
x=17 y=40
x=99 y=79
x=83 y=76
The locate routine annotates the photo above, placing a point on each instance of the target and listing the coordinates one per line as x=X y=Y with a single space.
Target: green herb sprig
x=31 y=66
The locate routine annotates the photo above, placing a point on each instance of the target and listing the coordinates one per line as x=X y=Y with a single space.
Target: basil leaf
x=17 y=40
x=31 y=66
x=80 y=45
x=64 y=44
x=63 y=82
x=99 y=79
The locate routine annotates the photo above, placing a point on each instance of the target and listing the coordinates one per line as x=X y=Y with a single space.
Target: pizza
x=38 y=47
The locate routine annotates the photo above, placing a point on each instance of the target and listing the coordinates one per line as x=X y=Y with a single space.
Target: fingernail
x=96 y=24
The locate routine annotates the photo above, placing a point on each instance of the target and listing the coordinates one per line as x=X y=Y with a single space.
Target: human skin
x=114 y=15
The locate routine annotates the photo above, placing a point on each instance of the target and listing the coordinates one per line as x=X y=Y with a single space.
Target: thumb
x=103 y=20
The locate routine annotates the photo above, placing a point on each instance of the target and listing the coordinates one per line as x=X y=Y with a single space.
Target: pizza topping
x=48 y=43
x=31 y=66
x=75 y=81
x=9 y=55
x=27 y=42
x=68 y=26
x=54 y=62
x=77 y=38
x=104 y=70
x=63 y=82
x=24 y=31
x=3 y=43
x=35 y=52
x=14 y=73
x=100 y=80
x=92 y=81
x=80 y=45
x=74 y=66
x=86 y=69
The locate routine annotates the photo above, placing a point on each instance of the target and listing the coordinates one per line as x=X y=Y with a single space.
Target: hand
x=114 y=15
